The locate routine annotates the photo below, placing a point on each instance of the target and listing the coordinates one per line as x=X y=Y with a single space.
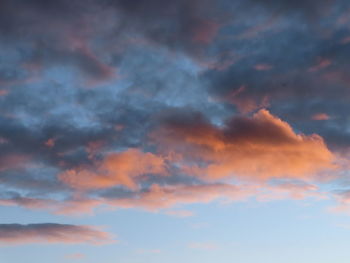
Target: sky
x=153 y=131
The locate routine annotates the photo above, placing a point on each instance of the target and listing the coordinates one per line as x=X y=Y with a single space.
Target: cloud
x=73 y=206
x=3 y=92
x=160 y=197
x=215 y=62
x=243 y=101
x=320 y=117
x=13 y=161
x=322 y=63
x=16 y=234
x=260 y=147
x=115 y=169
x=166 y=198
x=262 y=67
x=49 y=34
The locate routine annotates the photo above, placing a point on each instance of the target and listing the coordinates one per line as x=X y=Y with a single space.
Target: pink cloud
x=320 y=117
x=50 y=143
x=321 y=64
x=160 y=197
x=3 y=92
x=73 y=207
x=31 y=203
x=262 y=67
x=260 y=28
x=13 y=161
x=290 y=190
x=205 y=31
x=345 y=40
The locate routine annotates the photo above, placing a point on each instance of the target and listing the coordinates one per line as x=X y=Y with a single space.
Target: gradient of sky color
x=174 y=131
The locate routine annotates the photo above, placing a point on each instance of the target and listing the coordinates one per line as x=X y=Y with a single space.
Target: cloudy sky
x=174 y=131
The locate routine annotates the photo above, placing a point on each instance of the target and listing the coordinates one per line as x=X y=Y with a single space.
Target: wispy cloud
x=46 y=233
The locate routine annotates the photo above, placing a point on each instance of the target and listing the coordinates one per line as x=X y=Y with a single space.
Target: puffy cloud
x=260 y=147
x=115 y=169
x=14 y=234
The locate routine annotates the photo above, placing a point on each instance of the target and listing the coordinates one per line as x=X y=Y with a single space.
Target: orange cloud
x=116 y=169
x=14 y=234
x=50 y=143
x=260 y=147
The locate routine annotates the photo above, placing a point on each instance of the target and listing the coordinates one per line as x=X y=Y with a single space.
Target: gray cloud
x=14 y=234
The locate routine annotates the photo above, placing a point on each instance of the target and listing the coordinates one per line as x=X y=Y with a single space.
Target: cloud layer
x=154 y=104
x=14 y=234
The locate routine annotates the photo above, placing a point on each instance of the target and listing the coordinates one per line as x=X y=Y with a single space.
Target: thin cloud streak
x=17 y=234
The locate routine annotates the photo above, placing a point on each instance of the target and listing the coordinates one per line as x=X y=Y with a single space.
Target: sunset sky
x=158 y=131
